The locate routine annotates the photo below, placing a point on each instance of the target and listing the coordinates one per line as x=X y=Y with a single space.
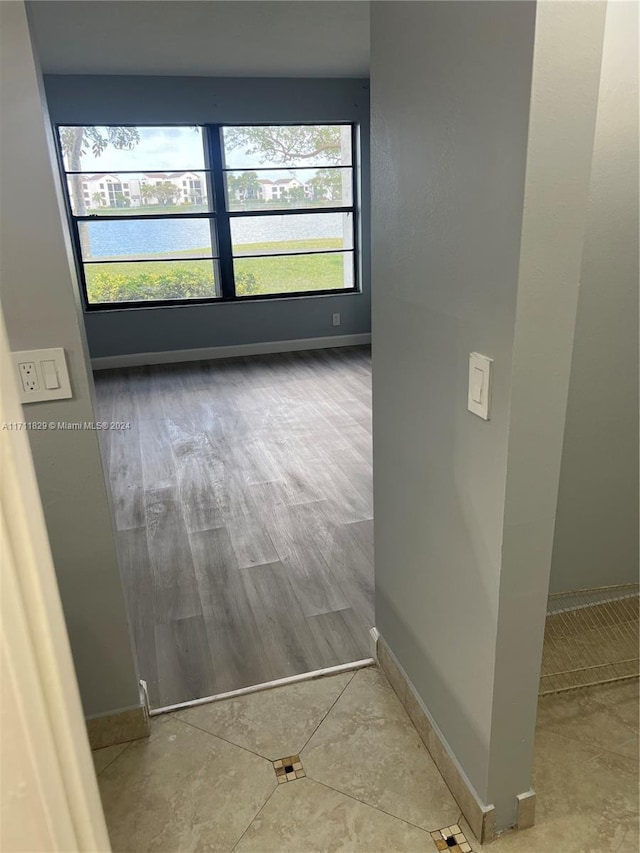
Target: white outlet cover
x=38 y=356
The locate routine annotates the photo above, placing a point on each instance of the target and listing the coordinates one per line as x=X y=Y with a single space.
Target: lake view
x=174 y=237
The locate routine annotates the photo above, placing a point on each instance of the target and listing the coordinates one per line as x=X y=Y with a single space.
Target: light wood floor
x=243 y=505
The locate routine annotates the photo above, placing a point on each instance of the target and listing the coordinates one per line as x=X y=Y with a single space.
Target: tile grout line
x=306 y=744
x=246 y=748
x=344 y=793
x=339 y=791
x=593 y=746
x=428 y=753
x=370 y=806
x=254 y=818
x=115 y=757
x=612 y=710
x=602 y=753
x=219 y=737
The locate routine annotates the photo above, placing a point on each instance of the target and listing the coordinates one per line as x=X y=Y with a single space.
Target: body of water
x=172 y=237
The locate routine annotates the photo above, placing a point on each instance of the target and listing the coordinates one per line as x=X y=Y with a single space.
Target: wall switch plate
x=42 y=375
x=479 y=385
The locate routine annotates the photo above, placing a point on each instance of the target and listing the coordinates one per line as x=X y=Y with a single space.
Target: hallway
x=242 y=494
x=205 y=779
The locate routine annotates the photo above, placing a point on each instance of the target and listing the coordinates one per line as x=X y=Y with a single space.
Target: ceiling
x=245 y=38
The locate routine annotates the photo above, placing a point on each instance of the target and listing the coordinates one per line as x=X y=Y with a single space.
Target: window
x=170 y=215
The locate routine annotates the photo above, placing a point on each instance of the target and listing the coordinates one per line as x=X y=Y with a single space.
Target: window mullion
x=214 y=148
x=355 y=202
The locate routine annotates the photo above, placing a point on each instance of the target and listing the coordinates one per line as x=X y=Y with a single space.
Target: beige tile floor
x=204 y=780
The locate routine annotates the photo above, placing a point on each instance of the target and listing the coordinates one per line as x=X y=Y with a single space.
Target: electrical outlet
x=29 y=377
x=42 y=375
x=336 y=319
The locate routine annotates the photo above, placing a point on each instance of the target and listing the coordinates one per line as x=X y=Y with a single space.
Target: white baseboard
x=138 y=359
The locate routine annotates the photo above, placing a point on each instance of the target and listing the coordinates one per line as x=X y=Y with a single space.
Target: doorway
x=242 y=493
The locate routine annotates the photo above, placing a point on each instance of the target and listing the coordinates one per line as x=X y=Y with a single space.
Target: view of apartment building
x=137 y=190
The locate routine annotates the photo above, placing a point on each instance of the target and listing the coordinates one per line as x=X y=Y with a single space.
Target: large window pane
x=123 y=194
x=150 y=281
x=145 y=224
x=118 y=148
x=249 y=147
x=258 y=235
x=293 y=273
x=151 y=239
x=275 y=189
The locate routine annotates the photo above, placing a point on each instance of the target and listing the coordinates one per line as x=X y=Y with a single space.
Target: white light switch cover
x=48 y=374
x=479 y=385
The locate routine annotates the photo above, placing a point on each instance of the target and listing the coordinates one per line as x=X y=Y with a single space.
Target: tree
x=165 y=192
x=232 y=186
x=96 y=198
x=76 y=141
x=327 y=184
x=243 y=186
x=294 y=145
x=282 y=145
x=296 y=194
x=122 y=200
x=249 y=184
x=147 y=192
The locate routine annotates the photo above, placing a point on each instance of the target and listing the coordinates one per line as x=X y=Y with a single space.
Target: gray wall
x=127 y=100
x=450 y=103
x=477 y=150
x=41 y=310
x=596 y=535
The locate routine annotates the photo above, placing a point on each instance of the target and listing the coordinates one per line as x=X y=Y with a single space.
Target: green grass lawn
x=192 y=279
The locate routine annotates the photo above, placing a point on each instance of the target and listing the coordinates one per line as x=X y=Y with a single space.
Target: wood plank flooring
x=243 y=504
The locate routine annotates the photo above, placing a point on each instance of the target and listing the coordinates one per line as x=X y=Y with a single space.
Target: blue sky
x=172 y=149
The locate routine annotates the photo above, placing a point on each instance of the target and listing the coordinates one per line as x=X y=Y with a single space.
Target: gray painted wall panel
x=596 y=534
x=39 y=301
x=482 y=153
x=119 y=99
x=450 y=103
